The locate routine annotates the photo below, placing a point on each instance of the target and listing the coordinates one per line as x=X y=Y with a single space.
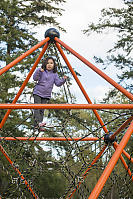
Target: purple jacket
x=45 y=82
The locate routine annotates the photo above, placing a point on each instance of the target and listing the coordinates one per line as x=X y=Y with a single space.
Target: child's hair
x=45 y=63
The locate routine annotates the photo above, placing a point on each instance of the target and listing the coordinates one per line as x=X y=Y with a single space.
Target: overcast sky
x=75 y=18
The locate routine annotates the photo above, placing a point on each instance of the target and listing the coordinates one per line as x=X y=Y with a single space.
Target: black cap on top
x=52 y=33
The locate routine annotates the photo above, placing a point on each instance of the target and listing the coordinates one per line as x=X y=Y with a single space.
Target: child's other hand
x=65 y=77
x=42 y=70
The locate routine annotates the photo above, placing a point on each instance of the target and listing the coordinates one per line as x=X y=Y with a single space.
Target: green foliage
x=121 y=22
x=53 y=167
x=17 y=21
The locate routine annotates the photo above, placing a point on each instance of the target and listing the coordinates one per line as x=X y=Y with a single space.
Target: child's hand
x=42 y=70
x=65 y=77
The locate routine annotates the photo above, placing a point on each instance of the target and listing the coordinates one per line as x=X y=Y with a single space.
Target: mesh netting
x=74 y=149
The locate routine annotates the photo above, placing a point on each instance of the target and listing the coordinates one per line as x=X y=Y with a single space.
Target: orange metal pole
x=24 y=83
x=96 y=191
x=117 y=132
x=66 y=106
x=124 y=152
x=85 y=174
x=19 y=173
x=94 y=68
x=50 y=138
x=80 y=86
x=4 y=69
x=121 y=127
x=125 y=165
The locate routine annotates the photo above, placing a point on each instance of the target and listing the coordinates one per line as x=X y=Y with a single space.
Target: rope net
x=74 y=158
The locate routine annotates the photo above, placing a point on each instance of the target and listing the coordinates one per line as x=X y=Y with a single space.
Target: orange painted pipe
x=117 y=132
x=97 y=70
x=121 y=127
x=116 y=145
x=66 y=106
x=24 y=83
x=125 y=165
x=85 y=174
x=74 y=74
x=50 y=138
x=4 y=69
x=102 y=180
x=124 y=152
x=18 y=172
x=80 y=86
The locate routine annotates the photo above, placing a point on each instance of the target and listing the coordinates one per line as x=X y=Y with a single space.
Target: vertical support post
x=24 y=84
x=80 y=86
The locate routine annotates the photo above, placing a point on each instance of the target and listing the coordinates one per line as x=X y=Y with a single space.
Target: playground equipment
x=52 y=36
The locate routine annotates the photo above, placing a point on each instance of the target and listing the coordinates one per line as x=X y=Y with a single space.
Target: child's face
x=50 y=65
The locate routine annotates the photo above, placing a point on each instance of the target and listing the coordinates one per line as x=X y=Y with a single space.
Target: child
x=46 y=77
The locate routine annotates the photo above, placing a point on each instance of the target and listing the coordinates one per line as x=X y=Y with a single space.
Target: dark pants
x=39 y=113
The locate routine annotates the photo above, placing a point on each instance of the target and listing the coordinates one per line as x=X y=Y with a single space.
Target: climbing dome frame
x=52 y=35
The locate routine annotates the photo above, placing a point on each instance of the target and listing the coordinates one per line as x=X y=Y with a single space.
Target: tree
x=17 y=21
x=120 y=20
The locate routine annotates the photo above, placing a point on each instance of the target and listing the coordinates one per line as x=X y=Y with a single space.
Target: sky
x=75 y=18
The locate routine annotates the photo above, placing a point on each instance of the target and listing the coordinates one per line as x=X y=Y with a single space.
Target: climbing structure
x=78 y=180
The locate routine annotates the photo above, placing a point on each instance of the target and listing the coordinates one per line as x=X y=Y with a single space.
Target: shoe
x=49 y=125
x=42 y=124
x=42 y=129
x=36 y=128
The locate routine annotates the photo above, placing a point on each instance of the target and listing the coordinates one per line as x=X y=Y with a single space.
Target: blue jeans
x=39 y=113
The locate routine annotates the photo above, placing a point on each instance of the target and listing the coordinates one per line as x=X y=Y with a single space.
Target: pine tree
x=17 y=21
x=121 y=21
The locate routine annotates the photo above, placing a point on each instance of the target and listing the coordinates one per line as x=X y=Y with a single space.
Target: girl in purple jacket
x=46 y=77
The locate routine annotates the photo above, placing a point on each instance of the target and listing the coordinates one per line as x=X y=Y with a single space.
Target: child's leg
x=43 y=101
x=37 y=114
